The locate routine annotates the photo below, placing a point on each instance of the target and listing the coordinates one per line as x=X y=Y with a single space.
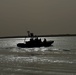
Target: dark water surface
x=59 y=59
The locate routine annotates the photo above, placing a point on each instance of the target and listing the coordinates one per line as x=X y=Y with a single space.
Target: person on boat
x=28 y=33
x=36 y=39
x=44 y=40
x=31 y=39
x=40 y=40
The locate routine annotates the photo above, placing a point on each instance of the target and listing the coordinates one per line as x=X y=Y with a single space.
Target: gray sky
x=38 y=16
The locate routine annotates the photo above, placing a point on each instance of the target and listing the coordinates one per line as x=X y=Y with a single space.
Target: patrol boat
x=35 y=42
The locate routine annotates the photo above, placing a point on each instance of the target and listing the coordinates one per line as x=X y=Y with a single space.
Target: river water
x=59 y=59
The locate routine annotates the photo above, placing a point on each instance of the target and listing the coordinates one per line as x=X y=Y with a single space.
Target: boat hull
x=32 y=45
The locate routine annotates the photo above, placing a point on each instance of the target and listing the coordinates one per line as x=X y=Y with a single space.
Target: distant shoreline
x=55 y=35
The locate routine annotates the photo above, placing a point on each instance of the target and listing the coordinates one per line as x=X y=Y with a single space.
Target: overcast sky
x=38 y=16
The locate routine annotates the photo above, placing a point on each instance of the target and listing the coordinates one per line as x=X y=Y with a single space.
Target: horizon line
x=52 y=35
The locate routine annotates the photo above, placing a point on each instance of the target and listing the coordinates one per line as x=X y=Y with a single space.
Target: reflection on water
x=55 y=60
x=37 y=61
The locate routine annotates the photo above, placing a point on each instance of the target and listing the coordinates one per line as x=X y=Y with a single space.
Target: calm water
x=59 y=59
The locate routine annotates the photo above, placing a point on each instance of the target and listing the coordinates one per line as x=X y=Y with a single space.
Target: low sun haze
x=42 y=17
